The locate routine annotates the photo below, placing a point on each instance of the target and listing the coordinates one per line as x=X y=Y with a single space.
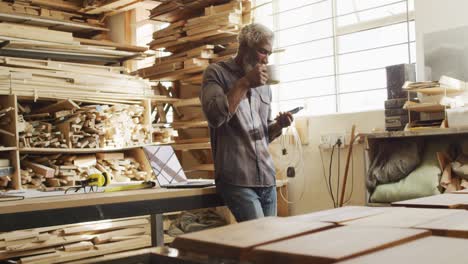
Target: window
x=336 y=51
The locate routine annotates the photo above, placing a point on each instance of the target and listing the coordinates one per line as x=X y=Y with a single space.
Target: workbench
x=76 y=208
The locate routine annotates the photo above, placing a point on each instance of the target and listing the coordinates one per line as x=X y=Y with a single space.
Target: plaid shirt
x=239 y=141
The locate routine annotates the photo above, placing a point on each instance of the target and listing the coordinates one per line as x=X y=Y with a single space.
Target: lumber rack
x=42 y=55
x=76 y=208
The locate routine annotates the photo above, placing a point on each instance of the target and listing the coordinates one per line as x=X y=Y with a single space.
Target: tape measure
x=98 y=179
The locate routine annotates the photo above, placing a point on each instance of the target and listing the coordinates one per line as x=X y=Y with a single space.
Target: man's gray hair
x=253 y=34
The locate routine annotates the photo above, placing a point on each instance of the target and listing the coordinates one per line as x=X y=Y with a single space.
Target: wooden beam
x=193 y=146
x=187 y=102
x=108 y=43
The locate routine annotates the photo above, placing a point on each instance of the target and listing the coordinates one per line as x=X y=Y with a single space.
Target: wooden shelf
x=61 y=55
x=52 y=23
x=428 y=132
x=84 y=150
x=424 y=107
x=8 y=148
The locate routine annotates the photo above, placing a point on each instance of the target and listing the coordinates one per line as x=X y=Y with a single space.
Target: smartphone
x=295 y=110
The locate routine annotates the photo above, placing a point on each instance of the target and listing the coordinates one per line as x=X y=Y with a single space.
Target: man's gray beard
x=247 y=65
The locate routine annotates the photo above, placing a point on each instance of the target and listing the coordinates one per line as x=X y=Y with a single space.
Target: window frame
x=406 y=17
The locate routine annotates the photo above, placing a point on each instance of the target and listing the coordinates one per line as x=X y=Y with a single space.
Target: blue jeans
x=248 y=203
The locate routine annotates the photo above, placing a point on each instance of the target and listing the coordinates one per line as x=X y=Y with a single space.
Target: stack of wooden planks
x=109 y=7
x=65 y=124
x=66 y=243
x=195 y=38
x=44 y=41
x=175 y=67
x=57 y=170
x=79 y=82
x=175 y=10
x=58 y=10
x=121 y=168
x=124 y=126
x=163 y=134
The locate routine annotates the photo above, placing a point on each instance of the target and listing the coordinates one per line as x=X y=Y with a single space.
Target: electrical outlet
x=330 y=139
x=341 y=137
x=325 y=141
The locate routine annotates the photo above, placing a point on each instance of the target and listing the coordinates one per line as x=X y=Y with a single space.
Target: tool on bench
x=93 y=180
x=143 y=185
x=103 y=180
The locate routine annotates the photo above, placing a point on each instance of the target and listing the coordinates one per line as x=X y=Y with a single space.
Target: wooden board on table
x=333 y=245
x=235 y=241
x=455 y=225
x=446 y=200
x=403 y=217
x=341 y=215
x=429 y=250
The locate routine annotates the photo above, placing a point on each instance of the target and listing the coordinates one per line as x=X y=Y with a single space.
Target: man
x=237 y=103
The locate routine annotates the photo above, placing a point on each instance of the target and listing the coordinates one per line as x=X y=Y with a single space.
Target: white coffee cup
x=273 y=75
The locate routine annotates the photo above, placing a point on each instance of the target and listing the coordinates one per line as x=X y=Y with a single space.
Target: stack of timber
x=64 y=13
x=163 y=134
x=195 y=40
x=65 y=124
x=110 y=7
x=55 y=170
x=59 y=244
x=121 y=168
x=178 y=66
x=76 y=81
x=35 y=41
x=175 y=10
x=58 y=170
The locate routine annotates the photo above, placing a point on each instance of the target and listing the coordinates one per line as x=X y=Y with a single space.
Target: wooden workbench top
x=403 y=217
x=333 y=245
x=430 y=250
x=235 y=241
x=446 y=201
x=77 y=200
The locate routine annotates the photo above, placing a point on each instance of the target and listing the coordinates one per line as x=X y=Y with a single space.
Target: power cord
x=328 y=179
x=299 y=165
x=329 y=176
x=338 y=143
x=324 y=173
x=352 y=180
